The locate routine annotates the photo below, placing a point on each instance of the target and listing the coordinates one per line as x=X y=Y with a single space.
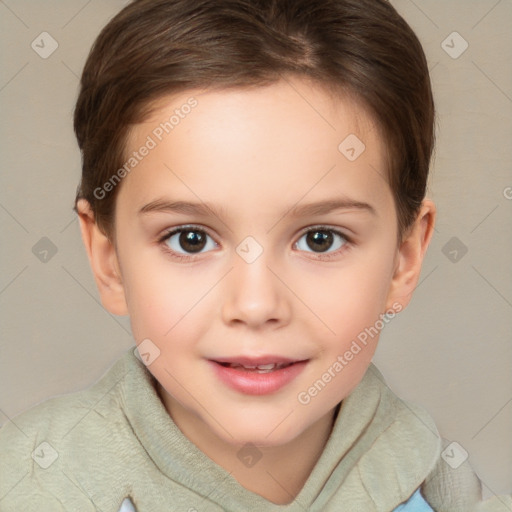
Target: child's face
x=260 y=159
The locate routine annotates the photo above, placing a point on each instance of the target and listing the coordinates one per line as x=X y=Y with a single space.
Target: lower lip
x=254 y=383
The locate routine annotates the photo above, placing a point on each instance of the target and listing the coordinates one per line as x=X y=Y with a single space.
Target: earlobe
x=104 y=262
x=410 y=256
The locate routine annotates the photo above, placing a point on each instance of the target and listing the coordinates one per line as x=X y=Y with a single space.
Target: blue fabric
x=127 y=506
x=416 y=503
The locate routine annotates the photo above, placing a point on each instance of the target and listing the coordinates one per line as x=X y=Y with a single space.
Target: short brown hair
x=154 y=48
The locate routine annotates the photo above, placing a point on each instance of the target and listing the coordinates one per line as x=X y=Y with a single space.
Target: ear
x=104 y=262
x=410 y=257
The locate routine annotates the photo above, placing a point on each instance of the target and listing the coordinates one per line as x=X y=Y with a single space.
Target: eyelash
x=321 y=256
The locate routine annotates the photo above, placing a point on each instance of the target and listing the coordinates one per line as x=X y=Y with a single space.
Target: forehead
x=284 y=140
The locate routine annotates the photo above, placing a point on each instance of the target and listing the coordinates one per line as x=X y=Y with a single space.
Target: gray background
x=450 y=351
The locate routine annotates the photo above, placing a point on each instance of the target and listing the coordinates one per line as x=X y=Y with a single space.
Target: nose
x=255 y=297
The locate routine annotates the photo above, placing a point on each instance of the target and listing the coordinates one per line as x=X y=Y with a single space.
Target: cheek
x=354 y=296
x=350 y=303
x=161 y=301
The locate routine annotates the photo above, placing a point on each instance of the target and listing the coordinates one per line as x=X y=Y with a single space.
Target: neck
x=281 y=471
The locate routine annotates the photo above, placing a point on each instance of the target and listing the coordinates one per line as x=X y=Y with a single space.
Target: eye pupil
x=192 y=241
x=319 y=241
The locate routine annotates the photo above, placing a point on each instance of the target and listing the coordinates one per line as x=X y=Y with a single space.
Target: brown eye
x=192 y=241
x=189 y=241
x=321 y=240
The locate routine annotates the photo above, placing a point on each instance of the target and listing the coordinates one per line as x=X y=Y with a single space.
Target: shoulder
x=41 y=439
x=415 y=446
x=412 y=421
x=452 y=487
x=396 y=446
x=58 y=415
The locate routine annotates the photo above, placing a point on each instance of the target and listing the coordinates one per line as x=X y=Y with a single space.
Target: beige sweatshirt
x=90 y=450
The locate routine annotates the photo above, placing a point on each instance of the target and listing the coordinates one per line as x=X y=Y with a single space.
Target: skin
x=254 y=155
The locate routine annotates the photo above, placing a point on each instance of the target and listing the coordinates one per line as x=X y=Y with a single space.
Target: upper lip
x=256 y=361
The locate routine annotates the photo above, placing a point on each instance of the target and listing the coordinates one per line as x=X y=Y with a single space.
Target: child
x=253 y=197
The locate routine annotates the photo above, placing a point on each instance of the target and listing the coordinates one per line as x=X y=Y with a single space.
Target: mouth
x=260 y=364
x=257 y=376
x=261 y=368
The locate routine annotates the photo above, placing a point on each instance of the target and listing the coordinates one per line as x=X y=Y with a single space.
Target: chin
x=266 y=434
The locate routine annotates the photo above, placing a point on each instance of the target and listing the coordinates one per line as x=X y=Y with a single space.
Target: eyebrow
x=310 y=209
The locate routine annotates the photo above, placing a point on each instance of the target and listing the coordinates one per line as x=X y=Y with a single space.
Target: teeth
x=267 y=366
x=262 y=368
